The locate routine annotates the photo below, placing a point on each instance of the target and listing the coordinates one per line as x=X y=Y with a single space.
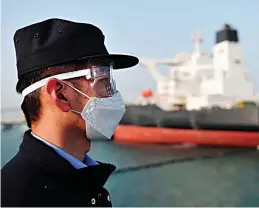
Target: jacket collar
x=47 y=159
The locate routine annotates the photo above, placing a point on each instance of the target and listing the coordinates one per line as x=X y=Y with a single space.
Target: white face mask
x=102 y=115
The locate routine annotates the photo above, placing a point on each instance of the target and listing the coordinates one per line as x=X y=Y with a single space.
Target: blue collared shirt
x=88 y=161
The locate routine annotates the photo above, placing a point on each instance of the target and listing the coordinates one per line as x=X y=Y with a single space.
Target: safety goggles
x=98 y=72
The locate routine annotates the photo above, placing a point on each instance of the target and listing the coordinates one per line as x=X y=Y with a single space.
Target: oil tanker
x=207 y=99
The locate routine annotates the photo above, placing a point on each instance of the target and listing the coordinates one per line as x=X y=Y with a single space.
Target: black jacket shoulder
x=38 y=176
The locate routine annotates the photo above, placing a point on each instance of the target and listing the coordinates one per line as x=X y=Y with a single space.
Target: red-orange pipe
x=140 y=134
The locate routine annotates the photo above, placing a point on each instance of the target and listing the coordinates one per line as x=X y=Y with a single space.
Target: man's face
x=64 y=97
x=77 y=101
x=91 y=88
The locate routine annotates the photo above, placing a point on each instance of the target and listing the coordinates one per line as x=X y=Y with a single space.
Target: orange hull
x=140 y=134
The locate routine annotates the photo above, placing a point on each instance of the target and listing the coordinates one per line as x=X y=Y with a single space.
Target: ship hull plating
x=147 y=135
x=216 y=127
x=236 y=119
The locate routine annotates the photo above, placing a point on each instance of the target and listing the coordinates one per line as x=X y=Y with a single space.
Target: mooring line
x=175 y=161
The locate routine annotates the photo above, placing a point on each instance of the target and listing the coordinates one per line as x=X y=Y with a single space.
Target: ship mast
x=197 y=40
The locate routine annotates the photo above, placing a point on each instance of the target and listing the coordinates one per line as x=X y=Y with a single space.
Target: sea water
x=165 y=175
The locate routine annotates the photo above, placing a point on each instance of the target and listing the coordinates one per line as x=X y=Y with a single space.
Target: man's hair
x=31 y=105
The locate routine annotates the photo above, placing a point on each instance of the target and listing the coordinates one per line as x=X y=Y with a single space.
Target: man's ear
x=56 y=90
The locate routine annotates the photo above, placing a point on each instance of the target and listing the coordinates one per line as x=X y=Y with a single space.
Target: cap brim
x=121 y=61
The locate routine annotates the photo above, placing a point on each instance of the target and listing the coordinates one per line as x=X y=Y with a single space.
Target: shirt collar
x=88 y=161
x=45 y=160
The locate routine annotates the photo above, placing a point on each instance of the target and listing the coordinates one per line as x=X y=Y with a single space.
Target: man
x=70 y=98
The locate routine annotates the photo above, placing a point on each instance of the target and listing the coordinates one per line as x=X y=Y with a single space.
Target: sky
x=144 y=28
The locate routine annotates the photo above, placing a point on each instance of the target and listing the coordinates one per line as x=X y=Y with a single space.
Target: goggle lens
x=102 y=76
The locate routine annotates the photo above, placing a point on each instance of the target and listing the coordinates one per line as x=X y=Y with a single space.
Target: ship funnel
x=227 y=33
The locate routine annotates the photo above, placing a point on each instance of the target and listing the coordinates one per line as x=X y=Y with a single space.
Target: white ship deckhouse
x=200 y=79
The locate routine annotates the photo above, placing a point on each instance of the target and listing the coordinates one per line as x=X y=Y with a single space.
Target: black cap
x=56 y=41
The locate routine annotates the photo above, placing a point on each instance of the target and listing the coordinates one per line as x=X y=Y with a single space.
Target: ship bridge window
x=237 y=61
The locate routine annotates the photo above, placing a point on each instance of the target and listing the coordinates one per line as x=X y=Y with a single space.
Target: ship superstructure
x=198 y=80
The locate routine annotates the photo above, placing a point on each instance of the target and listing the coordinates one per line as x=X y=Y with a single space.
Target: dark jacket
x=38 y=176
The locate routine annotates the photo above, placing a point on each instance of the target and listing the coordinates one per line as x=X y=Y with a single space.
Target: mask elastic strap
x=75 y=111
x=78 y=92
x=76 y=89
